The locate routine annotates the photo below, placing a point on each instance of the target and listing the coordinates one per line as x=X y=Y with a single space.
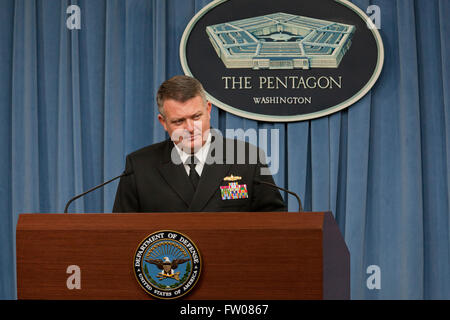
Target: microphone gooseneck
x=124 y=174
x=300 y=208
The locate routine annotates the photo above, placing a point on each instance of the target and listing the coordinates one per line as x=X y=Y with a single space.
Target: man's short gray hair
x=179 y=88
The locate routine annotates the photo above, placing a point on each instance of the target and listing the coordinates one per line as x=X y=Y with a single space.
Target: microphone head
x=127 y=173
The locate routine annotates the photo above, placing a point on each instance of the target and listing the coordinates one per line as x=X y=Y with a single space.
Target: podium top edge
x=172 y=220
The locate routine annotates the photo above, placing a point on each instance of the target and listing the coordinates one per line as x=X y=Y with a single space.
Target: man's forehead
x=184 y=108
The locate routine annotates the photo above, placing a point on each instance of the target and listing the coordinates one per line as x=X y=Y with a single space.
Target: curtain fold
x=435 y=208
x=444 y=27
x=7 y=225
x=298 y=145
x=74 y=103
x=410 y=143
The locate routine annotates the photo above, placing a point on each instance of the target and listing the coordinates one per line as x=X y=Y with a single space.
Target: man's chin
x=190 y=147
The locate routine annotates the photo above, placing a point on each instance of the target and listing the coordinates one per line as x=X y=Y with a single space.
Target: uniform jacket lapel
x=175 y=174
x=210 y=180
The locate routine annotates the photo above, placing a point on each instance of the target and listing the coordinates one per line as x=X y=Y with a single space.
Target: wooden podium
x=245 y=255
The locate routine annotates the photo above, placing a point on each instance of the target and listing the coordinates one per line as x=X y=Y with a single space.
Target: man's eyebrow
x=177 y=119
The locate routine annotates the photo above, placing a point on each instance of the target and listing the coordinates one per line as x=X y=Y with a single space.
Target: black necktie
x=193 y=175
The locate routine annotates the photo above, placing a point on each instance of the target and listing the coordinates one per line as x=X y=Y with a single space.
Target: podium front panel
x=270 y=255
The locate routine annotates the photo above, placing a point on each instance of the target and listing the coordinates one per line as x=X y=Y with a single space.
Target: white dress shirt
x=201 y=156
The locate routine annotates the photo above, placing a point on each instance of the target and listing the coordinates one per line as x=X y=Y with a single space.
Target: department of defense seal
x=167 y=264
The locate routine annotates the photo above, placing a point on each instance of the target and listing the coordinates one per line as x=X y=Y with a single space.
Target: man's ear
x=162 y=121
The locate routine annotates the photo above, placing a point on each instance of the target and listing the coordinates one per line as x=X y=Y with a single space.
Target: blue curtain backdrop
x=74 y=103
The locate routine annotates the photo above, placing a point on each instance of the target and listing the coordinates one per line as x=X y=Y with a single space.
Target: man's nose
x=190 y=125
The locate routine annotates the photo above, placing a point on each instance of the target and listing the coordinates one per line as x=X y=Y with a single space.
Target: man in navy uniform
x=196 y=169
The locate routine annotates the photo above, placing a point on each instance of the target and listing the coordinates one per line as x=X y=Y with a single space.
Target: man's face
x=187 y=122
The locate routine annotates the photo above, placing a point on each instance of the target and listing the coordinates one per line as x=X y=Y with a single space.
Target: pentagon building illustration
x=281 y=41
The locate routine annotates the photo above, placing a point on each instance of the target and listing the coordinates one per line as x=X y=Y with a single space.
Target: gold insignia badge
x=232 y=178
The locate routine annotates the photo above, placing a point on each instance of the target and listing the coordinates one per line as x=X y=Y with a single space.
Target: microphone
x=124 y=174
x=300 y=209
